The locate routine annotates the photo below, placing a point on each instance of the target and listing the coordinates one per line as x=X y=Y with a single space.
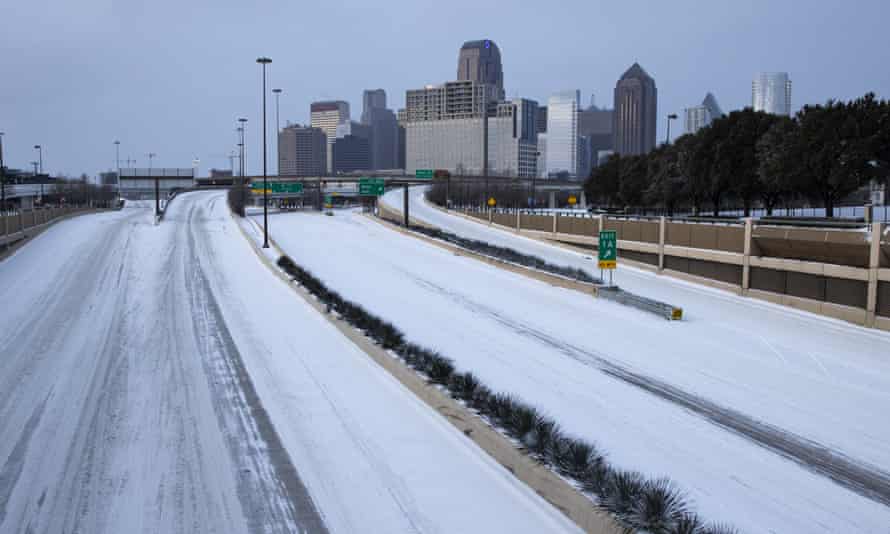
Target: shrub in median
x=654 y=506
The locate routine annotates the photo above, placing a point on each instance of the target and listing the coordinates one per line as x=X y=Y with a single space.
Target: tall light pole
x=277 y=129
x=151 y=156
x=265 y=61
x=671 y=117
x=243 y=123
x=2 y=179
x=39 y=150
x=117 y=156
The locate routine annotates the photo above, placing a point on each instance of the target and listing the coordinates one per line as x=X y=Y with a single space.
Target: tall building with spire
x=480 y=61
x=697 y=117
x=636 y=111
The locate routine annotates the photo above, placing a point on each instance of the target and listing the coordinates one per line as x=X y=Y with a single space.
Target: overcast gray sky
x=171 y=77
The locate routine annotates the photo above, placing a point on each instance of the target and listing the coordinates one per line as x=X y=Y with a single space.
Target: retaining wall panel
x=641 y=257
x=677 y=234
x=808 y=286
x=703 y=236
x=883 y=304
x=731 y=239
x=768 y=280
x=847 y=292
x=649 y=231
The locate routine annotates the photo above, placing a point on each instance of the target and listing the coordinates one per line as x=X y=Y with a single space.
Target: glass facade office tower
x=562 y=133
x=698 y=117
x=372 y=99
x=771 y=93
x=384 y=130
x=328 y=116
x=636 y=109
x=480 y=61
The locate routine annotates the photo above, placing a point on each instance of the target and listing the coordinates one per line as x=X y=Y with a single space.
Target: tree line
x=820 y=156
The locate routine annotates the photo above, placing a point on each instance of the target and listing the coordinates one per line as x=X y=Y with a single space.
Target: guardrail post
x=662 y=231
x=554 y=221
x=874 y=263
x=746 y=256
x=22 y=221
x=489 y=216
x=518 y=222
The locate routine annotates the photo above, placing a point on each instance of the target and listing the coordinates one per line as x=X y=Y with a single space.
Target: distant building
x=771 y=93
x=697 y=117
x=372 y=99
x=542 y=155
x=302 y=151
x=351 y=153
x=542 y=119
x=220 y=173
x=562 y=133
x=384 y=130
x=636 y=109
x=480 y=61
x=328 y=116
x=596 y=124
x=444 y=127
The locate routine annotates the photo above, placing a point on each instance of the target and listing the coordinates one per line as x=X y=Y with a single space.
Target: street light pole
x=2 y=180
x=241 y=165
x=117 y=156
x=265 y=61
x=672 y=116
x=277 y=129
x=39 y=150
x=151 y=156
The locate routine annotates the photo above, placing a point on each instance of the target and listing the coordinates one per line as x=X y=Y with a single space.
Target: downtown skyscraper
x=480 y=61
x=771 y=93
x=636 y=111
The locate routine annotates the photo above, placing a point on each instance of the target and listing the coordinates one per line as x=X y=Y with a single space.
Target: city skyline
x=67 y=79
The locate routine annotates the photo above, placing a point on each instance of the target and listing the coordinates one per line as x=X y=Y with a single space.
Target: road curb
x=552 y=488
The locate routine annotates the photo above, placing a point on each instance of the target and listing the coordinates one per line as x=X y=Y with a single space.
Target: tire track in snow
x=272 y=494
x=860 y=477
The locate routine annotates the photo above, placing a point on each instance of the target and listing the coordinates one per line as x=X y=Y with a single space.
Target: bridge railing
x=20 y=224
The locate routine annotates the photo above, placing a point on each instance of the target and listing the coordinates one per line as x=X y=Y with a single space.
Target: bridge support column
x=551 y=199
x=405 y=208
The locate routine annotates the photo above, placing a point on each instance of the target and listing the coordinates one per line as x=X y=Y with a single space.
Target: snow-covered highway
x=162 y=379
x=818 y=379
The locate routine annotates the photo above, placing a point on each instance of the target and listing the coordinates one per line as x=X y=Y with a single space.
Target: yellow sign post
x=492 y=202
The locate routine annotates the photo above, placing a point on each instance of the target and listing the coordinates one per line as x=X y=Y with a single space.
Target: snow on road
x=542 y=343
x=161 y=379
x=817 y=377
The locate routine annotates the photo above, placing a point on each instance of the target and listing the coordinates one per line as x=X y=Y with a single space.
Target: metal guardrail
x=626 y=298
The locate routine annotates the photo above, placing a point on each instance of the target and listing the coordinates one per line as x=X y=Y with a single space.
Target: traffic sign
x=572 y=200
x=424 y=174
x=372 y=187
x=294 y=188
x=608 y=249
x=492 y=202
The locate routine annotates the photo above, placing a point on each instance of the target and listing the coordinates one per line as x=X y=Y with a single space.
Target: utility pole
x=277 y=130
x=265 y=61
x=151 y=156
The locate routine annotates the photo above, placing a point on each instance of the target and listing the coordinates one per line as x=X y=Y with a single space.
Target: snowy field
x=161 y=379
x=817 y=379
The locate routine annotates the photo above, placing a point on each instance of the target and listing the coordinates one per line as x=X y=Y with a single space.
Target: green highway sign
x=371 y=187
x=278 y=187
x=424 y=174
x=608 y=249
